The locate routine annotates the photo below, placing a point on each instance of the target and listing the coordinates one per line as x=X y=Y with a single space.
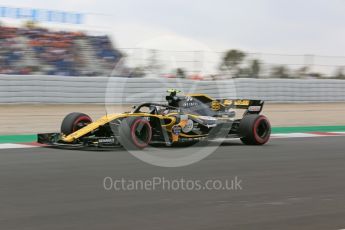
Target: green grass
x=23 y=138
x=306 y=129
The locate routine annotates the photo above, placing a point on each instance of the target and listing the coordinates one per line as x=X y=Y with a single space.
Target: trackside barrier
x=64 y=89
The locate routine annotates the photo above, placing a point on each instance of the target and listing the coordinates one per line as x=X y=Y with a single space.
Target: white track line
x=294 y=135
x=342 y=133
x=16 y=146
x=297 y=135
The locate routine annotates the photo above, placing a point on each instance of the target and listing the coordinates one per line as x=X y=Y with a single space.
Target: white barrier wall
x=62 y=89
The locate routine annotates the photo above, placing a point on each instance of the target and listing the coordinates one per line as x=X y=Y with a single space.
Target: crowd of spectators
x=104 y=48
x=57 y=50
x=55 y=53
x=11 y=50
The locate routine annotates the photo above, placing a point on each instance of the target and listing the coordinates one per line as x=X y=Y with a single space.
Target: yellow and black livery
x=184 y=118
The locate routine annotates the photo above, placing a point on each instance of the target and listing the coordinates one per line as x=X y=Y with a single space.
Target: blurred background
x=266 y=39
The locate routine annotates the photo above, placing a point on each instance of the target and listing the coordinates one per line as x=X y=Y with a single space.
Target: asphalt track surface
x=295 y=183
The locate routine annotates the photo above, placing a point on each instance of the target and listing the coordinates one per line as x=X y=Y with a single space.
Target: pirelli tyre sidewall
x=135 y=133
x=255 y=129
x=73 y=122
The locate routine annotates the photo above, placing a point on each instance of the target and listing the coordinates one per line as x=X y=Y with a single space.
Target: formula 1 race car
x=183 y=119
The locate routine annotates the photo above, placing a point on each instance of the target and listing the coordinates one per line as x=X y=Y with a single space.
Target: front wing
x=55 y=140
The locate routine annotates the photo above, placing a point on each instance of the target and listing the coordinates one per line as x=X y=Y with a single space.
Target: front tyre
x=73 y=122
x=255 y=129
x=135 y=133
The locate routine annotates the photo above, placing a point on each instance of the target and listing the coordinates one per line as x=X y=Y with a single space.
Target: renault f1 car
x=183 y=119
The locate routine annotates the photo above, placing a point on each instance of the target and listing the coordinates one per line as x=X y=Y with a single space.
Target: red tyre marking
x=135 y=139
x=255 y=127
x=82 y=118
x=33 y=144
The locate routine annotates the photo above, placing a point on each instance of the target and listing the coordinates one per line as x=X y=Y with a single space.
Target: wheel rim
x=262 y=130
x=81 y=122
x=141 y=133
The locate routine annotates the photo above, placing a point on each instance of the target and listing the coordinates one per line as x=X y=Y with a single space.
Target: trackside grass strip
x=23 y=138
x=308 y=129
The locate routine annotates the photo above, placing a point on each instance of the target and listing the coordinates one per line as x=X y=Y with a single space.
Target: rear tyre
x=73 y=122
x=255 y=129
x=135 y=133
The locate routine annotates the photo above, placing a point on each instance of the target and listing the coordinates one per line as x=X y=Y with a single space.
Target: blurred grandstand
x=34 y=50
x=40 y=51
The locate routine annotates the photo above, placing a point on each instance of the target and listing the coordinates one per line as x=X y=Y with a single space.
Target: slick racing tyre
x=73 y=122
x=135 y=133
x=255 y=129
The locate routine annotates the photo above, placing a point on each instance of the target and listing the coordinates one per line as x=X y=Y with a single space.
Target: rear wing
x=252 y=106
